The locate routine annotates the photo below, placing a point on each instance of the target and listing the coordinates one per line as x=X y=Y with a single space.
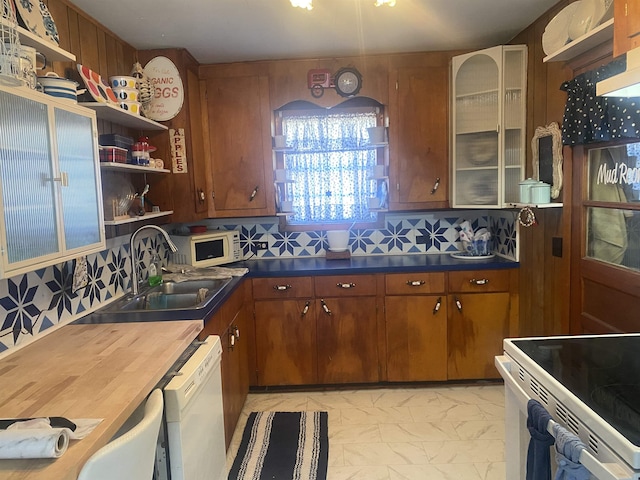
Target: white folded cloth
x=35 y=438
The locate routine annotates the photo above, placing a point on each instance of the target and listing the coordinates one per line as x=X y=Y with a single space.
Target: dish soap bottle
x=155 y=270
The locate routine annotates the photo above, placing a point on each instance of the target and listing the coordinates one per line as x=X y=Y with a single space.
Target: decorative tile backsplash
x=37 y=301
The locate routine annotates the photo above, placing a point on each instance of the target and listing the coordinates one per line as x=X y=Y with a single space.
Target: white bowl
x=126 y=94
x=338 y=240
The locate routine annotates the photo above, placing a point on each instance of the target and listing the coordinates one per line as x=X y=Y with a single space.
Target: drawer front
x=414 y=283
x=478 y=281
x=282 y=287
x=345 y=285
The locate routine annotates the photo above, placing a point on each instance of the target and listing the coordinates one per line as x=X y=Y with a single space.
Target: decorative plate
x=96 y=86
x=556 y=34
x=35 y=17
x=468 y=256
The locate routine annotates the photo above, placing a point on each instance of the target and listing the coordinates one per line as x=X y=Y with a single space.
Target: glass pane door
x=28 y=195
x=77 y=163
x=514 y=122
x=477 y=107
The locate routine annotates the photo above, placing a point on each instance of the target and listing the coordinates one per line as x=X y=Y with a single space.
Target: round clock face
x=348 y=82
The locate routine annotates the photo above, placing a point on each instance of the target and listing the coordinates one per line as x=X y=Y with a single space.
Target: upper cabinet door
x=626 y=26
x=240 y=143
x=418 y=166
x=488 y=122
x=77 y=145
x=29 y=208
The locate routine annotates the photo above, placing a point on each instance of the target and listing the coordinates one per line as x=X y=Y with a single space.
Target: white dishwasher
x=194 y=416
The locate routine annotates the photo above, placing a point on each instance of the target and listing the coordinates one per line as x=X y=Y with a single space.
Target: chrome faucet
x=134 y=262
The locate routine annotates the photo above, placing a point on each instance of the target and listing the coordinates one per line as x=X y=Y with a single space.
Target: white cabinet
x=51 y=207
x=488 y=126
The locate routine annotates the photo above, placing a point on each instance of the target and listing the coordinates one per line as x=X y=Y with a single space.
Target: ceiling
x=222 y=31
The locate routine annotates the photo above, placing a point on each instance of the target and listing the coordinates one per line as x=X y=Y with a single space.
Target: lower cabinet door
x=477 y=325
x=285 y=342
x=416 y=328
x=347 y=340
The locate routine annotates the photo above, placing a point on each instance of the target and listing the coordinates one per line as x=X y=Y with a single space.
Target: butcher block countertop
x=87 y=371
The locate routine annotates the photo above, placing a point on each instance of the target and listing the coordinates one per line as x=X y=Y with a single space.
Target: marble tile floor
x=444 y=432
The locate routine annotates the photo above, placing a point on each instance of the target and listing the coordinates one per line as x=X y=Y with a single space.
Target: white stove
x=590 y=385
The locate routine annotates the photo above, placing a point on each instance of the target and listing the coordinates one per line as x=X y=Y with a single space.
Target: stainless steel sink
x=187 y=295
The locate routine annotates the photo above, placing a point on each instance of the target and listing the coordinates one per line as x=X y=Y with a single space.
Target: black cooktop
x=603 y=372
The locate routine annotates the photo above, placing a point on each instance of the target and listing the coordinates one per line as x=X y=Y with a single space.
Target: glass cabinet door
x=80 y=186
x=476 y=112
x=26 y=178
x=489 y=115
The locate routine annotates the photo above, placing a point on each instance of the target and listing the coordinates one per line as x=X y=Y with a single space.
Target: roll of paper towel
x=33 y=443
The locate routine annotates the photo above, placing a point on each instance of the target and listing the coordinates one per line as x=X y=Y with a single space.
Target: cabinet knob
x=236 y=332
x=435 y=186
x=282 y=288
x=415 y=283
x=479 y=281
x=345 y=285
x=201 y=195
x=437 y=306
x=305 y=310
x=254 y=193
x=232 y=341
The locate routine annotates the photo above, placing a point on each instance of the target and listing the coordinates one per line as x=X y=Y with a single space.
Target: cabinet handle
x=437 y=306
x=435 y=186
x=305 y=309
x=458 y=304
x=201 y=195
x=480 y=281
x=236 y=332
x=345 y=285
x=63 y=179
x=253 y=194
x=232 y=341
x=415 y=283
x=324 y=307
x=282 y=288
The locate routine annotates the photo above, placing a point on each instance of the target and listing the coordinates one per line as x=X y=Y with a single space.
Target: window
x=612 y=206
x=329 y=161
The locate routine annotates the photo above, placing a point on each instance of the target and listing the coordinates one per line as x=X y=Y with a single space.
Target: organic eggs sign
x=168 y=91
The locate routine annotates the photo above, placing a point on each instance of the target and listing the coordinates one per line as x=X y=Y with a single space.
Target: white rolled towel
x=33 y=442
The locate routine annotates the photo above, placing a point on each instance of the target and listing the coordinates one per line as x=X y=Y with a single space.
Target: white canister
x=525 y=189
x=540 y=193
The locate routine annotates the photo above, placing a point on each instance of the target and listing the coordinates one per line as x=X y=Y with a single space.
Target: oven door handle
x=601 y=471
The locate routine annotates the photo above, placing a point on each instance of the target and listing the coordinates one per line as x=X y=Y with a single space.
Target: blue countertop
x=283 y=267
x=291 y=267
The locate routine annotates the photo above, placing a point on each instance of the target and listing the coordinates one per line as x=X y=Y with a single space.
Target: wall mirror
x=546 y=146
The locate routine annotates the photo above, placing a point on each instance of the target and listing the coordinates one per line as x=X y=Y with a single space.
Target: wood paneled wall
x=545 y=284
x=93 y=45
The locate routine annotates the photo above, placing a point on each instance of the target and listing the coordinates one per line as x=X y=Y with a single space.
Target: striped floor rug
x=283 y=446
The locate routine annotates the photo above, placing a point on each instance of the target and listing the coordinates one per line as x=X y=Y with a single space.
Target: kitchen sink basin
x=168 y=300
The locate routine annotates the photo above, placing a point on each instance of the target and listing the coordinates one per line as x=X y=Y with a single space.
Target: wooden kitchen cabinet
x=232 y=324
x=626 y=26
x=481 y=315
x=347 y=329
x=285 y=331
x=240 y=145
x=416 y=327
x=418 y=130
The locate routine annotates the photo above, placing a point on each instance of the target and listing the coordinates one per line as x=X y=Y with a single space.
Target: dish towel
x=568 y=449
x=538 y=454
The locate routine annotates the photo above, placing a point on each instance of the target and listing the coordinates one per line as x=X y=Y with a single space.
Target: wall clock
x=348 y=82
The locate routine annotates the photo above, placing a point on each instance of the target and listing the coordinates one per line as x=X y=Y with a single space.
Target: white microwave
x=207 y=249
